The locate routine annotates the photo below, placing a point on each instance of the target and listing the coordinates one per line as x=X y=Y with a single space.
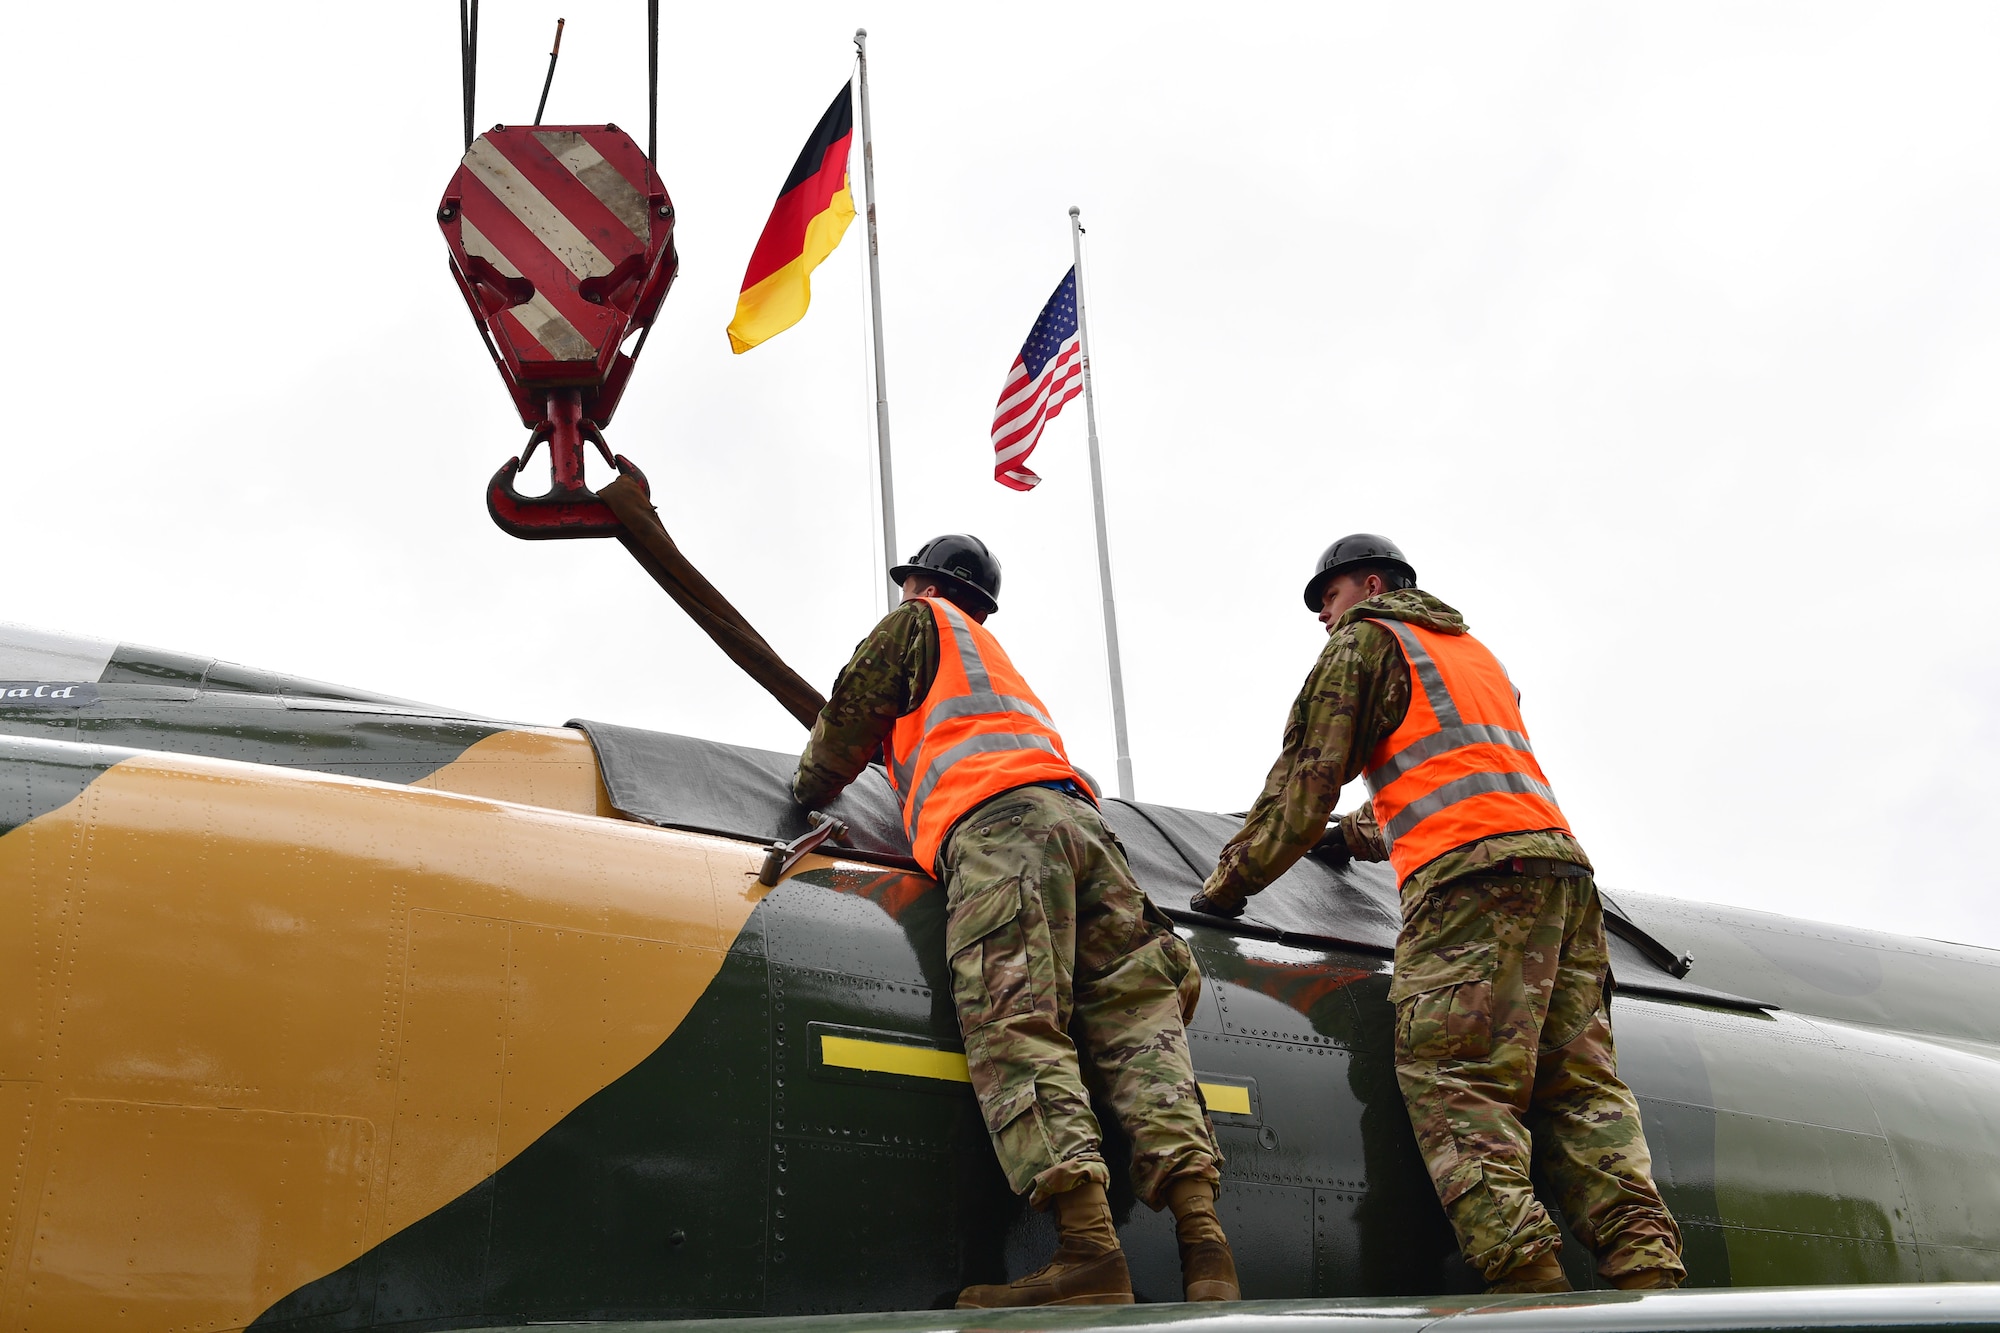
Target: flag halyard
x=811 y=215
x=1047 y=373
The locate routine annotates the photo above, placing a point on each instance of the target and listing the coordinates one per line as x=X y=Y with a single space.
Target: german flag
x=811 y=216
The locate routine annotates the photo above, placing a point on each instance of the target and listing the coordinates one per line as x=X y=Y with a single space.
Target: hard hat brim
x=975 y=599
x=1316 y=585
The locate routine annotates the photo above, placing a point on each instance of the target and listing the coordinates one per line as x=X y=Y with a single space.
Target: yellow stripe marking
x=1226 y=1098
x=888 y=1057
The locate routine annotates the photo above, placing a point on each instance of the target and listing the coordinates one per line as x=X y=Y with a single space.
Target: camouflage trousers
x=1504 y=1053
x=1048 y=933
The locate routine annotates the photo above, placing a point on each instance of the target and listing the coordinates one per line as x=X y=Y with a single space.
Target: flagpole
x=890 y=553
x=1103 y=542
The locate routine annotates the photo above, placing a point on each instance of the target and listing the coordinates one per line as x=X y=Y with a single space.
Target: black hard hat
x=965 y=562
x=1357 y=548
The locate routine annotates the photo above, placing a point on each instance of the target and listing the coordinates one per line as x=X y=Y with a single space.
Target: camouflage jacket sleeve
x=1357 y=693
x=889 y=675
x=1362 y=834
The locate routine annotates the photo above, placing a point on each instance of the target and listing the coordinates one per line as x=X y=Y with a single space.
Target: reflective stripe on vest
x=980 y=701
x=1460 y=767
x=979 y=731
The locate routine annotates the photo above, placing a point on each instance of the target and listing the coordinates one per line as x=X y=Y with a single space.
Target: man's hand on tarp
x=1332 y=849
x=1201 y=902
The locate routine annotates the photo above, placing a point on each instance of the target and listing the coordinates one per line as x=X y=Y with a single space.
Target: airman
x=1503 y=1030
x=1047 y=931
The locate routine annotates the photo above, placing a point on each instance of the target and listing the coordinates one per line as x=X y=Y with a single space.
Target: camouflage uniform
x=1503 y=1048
x=1356 y=694
x=1046 y=931
x=1503 y=1032
x=889 y=675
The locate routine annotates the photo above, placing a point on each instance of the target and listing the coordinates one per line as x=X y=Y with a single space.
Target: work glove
x=1332 y=849
x=1201 y=902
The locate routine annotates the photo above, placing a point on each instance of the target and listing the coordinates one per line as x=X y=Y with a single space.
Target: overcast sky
x=1662 y=337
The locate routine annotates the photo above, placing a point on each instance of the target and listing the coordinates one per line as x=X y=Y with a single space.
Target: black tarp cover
x=681 y=782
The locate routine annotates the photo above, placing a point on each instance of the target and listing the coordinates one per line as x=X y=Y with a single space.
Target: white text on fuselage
x=47 y=693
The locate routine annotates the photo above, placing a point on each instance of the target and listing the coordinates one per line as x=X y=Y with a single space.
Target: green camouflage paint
x=1850 y=1138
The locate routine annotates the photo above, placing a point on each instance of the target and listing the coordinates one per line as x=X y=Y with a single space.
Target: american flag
x=1047 y=374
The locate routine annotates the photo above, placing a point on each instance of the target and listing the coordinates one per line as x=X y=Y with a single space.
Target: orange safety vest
x=980 y=731
x=1459 y=768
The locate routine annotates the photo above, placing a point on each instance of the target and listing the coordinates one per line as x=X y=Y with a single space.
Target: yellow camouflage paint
x=253 y=1021
x=551 y=767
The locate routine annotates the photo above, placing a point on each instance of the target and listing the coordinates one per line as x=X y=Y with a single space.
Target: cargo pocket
x=1002 y=1109
x=1459 y=1179
x=1444 y=1005
x=1578 y=997
x=989 y=957
x=1020 y=1139
x=1179 y=959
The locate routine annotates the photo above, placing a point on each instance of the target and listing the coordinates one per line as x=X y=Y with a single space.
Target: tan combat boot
x=1543 y=1273
x=1208 y=1269
x=1088 y=1268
